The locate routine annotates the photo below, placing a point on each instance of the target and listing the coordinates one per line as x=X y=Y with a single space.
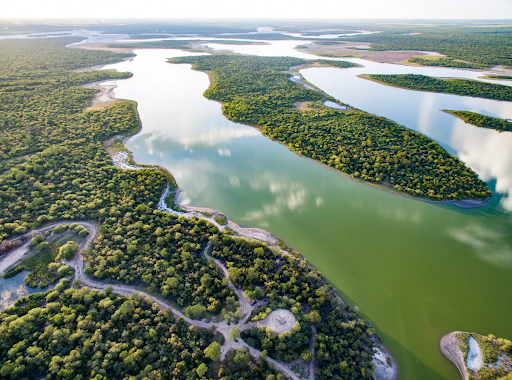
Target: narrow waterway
x=417 y=270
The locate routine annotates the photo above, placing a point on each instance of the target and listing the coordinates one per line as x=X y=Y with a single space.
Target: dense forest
x=482 y=121
x=53 y=163
x=256 y=91
x=343 y=341
x=163 y=253
x=54 y=167
x=463 y=87
x=69 y=333
x=477 y=44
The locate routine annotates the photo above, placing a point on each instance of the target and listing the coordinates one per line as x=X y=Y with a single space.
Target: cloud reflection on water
x=489 y=153
x=489 y=245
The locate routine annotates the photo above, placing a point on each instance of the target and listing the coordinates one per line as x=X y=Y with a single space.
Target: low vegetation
x=500 y=77
x=445 y=62
x=482 y=121
x=463 y=87
x=257 y=91
x=496 y=355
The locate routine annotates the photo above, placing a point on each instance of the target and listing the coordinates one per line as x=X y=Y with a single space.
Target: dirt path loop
x=16 y=255
x=245 y=306
x=450 y=348
x=222 y=327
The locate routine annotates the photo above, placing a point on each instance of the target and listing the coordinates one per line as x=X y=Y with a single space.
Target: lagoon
x=417 y=270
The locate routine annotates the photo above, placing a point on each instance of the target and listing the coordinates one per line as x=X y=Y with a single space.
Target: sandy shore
x=104 y=97
x=450 y=349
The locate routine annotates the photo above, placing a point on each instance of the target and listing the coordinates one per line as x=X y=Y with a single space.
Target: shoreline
x=383 y=370
x=461 y=203
x=250 y=233
x=450 y=349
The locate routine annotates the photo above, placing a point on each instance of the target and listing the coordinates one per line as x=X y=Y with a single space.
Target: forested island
x=256 y=91
x=444 y=62
x=482 y=121
x=500 y=77
x=455 y=86
x=55 y=168
x=483 y=357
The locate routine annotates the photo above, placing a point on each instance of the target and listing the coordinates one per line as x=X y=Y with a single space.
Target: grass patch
x=221 y=219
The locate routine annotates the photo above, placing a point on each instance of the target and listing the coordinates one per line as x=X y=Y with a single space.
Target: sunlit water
x=417 y=270
x=11 y=289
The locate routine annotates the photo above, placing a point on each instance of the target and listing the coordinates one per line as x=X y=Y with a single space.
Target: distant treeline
x=445 y=62
x=176 y=44
x=483 y=45
x=464 y=87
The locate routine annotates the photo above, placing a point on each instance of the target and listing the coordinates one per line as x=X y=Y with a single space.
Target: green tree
x=213 y=351
x=234 y=333
x=201 y=370
x=69 y=250
x=314 y=317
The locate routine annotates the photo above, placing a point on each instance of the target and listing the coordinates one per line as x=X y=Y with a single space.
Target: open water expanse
x=417 y=270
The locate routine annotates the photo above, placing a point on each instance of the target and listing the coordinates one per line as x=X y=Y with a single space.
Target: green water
x=416 y=270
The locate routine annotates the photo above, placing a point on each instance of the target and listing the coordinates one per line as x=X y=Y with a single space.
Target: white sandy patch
x=280 y=320
x=12 y=258
x=383 y=371
x=119 y=159
x=474 y=360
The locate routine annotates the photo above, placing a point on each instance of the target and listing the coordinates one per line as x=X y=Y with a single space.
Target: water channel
x=417 y=270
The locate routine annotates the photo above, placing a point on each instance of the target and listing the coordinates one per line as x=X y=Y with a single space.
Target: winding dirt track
x=222 y=327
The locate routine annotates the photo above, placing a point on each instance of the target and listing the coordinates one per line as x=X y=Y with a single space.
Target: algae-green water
x=417 y=270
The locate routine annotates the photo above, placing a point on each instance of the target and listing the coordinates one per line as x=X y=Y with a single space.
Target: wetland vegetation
x=496 y=356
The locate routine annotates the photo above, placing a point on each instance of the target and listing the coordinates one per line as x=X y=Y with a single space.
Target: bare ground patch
x=305 y=106
x=105 y=97
x=101 y=46
x=359 y=50
x=280 y=320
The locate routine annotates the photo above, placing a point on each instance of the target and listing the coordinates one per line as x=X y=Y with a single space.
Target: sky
x=418 y=9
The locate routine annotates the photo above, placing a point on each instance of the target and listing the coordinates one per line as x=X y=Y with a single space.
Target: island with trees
x=482 y=121
x=499 y=77
x=258 y=91
x=196 y=286
x=483 y=357
x=455 y=86
x=443 y=62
